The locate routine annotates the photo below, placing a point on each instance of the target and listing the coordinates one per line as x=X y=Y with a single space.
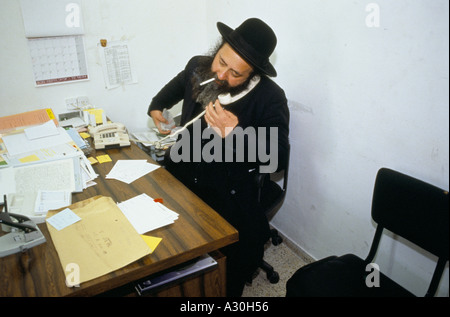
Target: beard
x=209 y=92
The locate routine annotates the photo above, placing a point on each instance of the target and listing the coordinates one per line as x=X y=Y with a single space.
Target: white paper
x=23 y=204
x=149 y=136
x=7 y=182
x=17 y=144
x=63 y=219
x=145 y=214
x=41 y=131
x=116 y=64
x=129 y=170
x=52 y=17
x=51 y=199
x=87 y=172
x=49 y=153
x=54 y=175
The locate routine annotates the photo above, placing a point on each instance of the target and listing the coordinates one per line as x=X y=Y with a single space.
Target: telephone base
x=110 y=146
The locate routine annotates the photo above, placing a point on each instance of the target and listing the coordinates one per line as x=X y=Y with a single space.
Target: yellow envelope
x=101 y=242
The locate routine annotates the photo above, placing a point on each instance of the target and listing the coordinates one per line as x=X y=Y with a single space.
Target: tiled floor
x=285 y=261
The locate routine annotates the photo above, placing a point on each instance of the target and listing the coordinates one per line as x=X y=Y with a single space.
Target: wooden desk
x=198 y=230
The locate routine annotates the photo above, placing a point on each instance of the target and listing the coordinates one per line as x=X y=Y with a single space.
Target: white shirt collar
x=226 y=99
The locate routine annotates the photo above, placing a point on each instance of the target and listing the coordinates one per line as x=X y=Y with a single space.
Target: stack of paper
x=51 y=199
x=35 y=138
x=25 y=119
x=145 y=214
x=41 y=157
x=152 y=137
x=129 y=170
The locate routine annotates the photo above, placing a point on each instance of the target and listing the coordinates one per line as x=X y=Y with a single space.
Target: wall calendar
x=58 y=59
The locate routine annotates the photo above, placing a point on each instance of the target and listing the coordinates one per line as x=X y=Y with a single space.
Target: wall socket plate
x=78 y=103
x=83 y=102
x=71 y=104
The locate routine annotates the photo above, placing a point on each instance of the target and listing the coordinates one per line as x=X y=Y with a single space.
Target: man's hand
x=157 y=119
x=221 y=120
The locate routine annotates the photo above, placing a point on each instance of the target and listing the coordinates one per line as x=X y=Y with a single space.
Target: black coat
x=230 y=187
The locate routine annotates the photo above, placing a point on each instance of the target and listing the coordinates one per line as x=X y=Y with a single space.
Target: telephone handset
x=109 y=135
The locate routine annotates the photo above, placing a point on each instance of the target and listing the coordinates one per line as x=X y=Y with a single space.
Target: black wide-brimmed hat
x=254 y=41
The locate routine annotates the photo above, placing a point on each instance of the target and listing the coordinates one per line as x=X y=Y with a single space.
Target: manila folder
x=101 y=242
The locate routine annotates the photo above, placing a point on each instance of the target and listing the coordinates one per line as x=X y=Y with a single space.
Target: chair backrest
x=271 y=195
x=415 y=210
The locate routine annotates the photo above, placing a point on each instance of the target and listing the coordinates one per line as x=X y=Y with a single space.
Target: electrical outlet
x=71 y=103
x=83 y=102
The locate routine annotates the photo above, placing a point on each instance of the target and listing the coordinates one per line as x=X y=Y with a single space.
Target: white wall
x=361 y=98
x=161 y=36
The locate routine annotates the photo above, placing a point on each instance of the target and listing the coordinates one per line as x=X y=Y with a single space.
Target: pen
x=207 y=81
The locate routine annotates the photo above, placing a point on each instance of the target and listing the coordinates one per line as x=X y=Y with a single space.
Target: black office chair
x=408 y=207
x=271 y=196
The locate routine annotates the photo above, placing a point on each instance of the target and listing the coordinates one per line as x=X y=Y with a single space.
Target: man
x=248 y=113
